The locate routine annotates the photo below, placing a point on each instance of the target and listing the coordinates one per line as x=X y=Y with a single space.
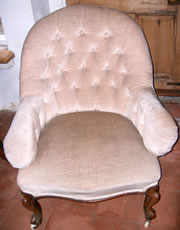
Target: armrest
x=20 y=143
x=154 y=123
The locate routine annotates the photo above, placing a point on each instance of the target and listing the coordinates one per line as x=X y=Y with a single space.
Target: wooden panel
x=176 y=2
x=165 y=83
x=161 y=24
x=131 y=6
x=133 y=16
x=160 y=34
x=177 y=63
x=167 y=92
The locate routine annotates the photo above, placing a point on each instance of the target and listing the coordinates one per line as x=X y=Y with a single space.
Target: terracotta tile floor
x=123 y=213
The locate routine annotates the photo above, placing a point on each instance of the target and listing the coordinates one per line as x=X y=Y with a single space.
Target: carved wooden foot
x=152 y=196
x=30 y=203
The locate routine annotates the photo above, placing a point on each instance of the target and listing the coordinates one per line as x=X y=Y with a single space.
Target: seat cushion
x=90 y=156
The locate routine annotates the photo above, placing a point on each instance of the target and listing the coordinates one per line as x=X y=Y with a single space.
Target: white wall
x=18 y=16
x=40 y=8
x=56 y=4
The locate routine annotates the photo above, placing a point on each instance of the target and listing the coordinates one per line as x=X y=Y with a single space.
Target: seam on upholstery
x=91 y=198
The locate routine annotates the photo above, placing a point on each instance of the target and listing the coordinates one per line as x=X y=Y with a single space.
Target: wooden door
x=160 y=22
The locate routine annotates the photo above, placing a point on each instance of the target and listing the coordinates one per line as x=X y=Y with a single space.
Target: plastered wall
x=18 y=17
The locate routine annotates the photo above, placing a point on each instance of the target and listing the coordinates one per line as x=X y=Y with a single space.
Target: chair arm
x=20 y=143
x=154 y=123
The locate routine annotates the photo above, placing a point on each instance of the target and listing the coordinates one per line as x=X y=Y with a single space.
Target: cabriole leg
x=152 y=196
x=30 y=203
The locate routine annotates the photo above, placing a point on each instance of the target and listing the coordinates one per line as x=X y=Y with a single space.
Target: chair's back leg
x=30 y=203
x=2 y=151
x=152 y=196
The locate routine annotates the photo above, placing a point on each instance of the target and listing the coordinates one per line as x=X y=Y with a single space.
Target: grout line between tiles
x=8 y=209
x=121 y=219
x=44 y=227
x=93 y=220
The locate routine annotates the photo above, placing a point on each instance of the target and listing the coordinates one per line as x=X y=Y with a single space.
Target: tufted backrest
x=82 y=58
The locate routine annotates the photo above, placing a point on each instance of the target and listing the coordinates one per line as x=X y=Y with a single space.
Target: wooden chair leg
x=2 y=151
x=30 y=203
x=152 y=196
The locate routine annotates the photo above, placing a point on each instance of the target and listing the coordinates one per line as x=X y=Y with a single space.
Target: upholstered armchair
x=89 y=125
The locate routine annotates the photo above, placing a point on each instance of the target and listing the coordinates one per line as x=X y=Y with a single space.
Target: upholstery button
x=83 y=66
x=123 y=70
x=44 y=76
x=107 y=34
x=69 y=51
x=58 y=37
x=118 y=51
x=113 y=84
x=107 y=68
x=60 y=69
x=95 y=83
x=43 y=99
x=93 y=50
x=81 y=32
x=48 y=55
x=74 y=86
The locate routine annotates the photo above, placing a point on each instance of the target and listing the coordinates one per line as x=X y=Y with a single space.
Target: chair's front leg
x=152 y=196
x=30 y=203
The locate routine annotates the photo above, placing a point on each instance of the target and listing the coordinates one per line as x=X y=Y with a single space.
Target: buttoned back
x=83 y=58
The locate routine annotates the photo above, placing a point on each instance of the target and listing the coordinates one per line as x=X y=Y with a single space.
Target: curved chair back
x=84 y=58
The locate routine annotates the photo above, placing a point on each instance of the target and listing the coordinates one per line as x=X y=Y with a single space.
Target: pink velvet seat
x=88 y=157
x=89 y=125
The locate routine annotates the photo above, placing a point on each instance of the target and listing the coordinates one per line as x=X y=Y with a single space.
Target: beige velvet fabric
x=89 y=156
x=84 y=58
x=152 y=120
x=20 y=144
x=78 y=59
x=88 y=58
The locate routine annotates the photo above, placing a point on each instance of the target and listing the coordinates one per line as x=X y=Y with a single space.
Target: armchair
x=89 y=125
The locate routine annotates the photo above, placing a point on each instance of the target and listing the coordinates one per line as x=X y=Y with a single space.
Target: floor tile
x=128 y=207
x=170 y=180
x=172 y=156
x=177 y=145
x=74 y=206
x=60 y=220
x=168 y=209
x=8 y=185
x=5 y=124
x=3 y=115
x=5 y=205
x=159 y=227
x=104 y=223
x=173 y=108
x=19 y=218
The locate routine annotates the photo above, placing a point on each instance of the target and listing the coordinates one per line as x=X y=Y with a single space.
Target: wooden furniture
x=6 y=56
x=160 y=22
x=174 y=2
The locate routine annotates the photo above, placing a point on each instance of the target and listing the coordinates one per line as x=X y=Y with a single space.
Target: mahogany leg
x=152 y=196
x=30 y=203
x=2 y=151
